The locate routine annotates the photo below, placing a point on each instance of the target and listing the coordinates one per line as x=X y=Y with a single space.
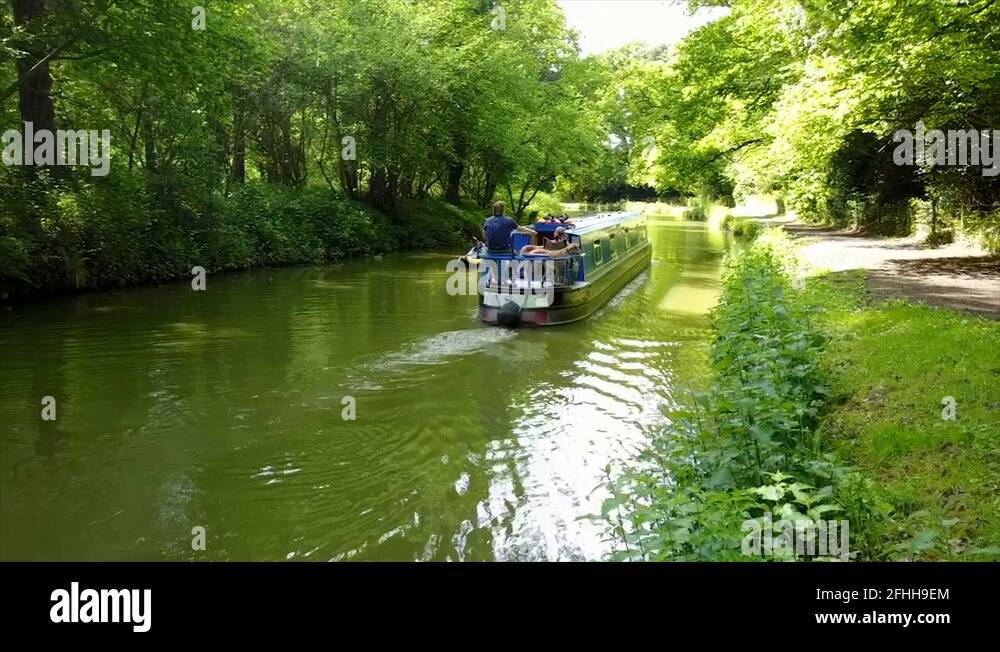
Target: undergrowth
x=745 y=451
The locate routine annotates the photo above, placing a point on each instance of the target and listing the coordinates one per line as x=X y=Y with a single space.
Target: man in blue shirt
x=497 y=230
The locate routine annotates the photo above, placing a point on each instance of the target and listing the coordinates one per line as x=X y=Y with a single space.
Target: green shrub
x=432 y=223
x=741 y=226
x=695 y=214
x=69 y=232
x=984 y=228
x=939 y=237
x=746 y=228
x=725 y=222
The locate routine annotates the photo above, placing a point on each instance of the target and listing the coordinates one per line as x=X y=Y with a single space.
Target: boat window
x=614 y=251
x=598 y=252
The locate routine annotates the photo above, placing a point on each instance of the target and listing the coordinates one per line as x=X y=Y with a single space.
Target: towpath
x=954 y=276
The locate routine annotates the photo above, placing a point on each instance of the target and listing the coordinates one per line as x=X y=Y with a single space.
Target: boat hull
x=574 y=302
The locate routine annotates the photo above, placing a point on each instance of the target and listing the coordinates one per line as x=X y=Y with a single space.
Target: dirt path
x=955 y=276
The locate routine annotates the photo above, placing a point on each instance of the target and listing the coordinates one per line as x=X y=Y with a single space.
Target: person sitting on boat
x=559 y=239
x=538 y=250
x=497 y=230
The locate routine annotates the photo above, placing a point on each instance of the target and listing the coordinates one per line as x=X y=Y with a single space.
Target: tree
x=34 y=83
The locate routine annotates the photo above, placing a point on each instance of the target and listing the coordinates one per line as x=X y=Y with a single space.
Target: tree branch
x=10 y=90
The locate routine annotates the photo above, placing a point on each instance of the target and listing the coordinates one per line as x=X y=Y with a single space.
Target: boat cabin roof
x=586 y=223
x=601 y=221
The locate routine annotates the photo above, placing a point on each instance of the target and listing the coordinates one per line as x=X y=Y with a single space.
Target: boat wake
x=429 y=351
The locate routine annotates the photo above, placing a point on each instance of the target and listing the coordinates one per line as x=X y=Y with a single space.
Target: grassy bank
x=64 y=234
x=823 y=407
x=890 y=366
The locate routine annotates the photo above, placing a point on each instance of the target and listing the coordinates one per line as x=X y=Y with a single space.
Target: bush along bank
x=64 y=234
x=741 y=474
x=744 y=227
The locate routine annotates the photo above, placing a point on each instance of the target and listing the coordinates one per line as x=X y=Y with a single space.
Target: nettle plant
x=747 y=446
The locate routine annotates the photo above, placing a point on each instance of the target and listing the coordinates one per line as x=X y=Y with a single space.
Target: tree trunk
x=382 y=185
x=391 y=191
x=451 y=193
x=377 y=188
x=489 y=191
x=150 y=139
x=239 y=170
x=35 y=87
x=349 y=177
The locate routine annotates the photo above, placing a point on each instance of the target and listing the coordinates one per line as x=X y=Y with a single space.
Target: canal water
x=224 y=410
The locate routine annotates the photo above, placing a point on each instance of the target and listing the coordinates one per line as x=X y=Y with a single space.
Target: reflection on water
x=223 y=409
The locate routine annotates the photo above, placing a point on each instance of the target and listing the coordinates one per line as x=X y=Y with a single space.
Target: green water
x=223 y=409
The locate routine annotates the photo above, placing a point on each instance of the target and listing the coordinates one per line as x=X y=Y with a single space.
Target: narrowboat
x=611 y=249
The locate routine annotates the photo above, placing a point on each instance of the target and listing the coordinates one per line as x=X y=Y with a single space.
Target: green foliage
x=209 y=128
x=799 y=99
x=430 y=223
x=939 y=237
x=802 y=99
x=748 y=445
x=695 y=214
x=546 y=204
x=742 y=227
x=64 y=233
